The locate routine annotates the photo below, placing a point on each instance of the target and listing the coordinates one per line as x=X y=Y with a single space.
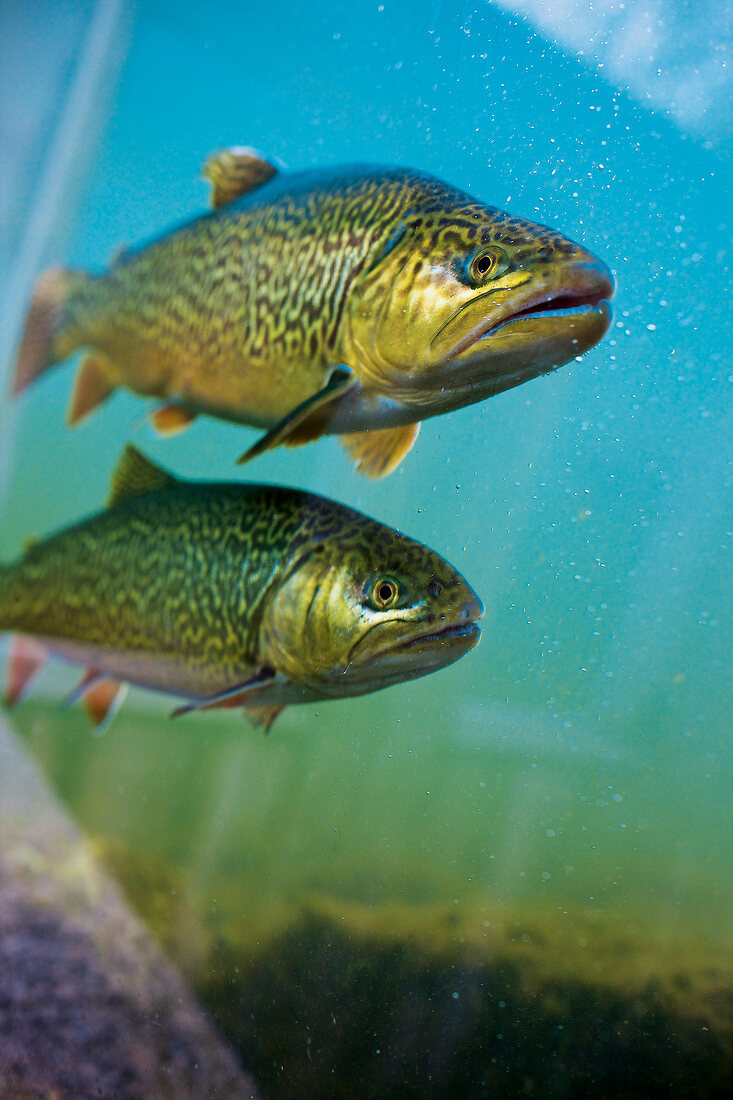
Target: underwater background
x=516 y=871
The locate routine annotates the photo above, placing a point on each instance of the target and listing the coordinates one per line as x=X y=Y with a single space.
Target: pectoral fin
x=235 y=696
x=309 y=420
x=377 y=452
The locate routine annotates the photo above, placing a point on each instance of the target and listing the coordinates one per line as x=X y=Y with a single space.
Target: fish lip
x=590 y=298
x=455 y=630
x=598 y=307
x=466 y=630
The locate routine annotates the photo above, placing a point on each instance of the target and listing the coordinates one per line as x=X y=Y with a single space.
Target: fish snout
x=589 y=279
x=472 y=610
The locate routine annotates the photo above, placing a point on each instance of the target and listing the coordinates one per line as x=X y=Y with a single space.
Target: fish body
x=234 y=594
x=345 y=300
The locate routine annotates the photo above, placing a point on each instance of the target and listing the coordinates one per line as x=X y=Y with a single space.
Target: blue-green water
x=579 y=759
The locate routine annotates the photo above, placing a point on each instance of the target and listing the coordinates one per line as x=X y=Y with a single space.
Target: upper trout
x=354 y=300
x=232 y=595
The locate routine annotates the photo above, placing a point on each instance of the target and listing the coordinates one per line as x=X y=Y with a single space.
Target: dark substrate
x=360 y=1003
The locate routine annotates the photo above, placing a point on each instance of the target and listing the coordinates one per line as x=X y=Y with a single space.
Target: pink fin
x=103 y=698
x=171 y=419
x=36 y=352
x=25 y=659
x=264 y=715
x=93 y=385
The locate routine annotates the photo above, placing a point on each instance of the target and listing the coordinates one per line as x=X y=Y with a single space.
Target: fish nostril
x=474 y=609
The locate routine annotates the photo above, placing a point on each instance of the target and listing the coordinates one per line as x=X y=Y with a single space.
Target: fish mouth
x=461 y=632
x=441 y=645
x=431 y=650
x=575 y=312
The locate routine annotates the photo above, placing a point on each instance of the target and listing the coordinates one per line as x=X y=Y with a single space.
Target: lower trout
x=354 y=300
x=232 y=595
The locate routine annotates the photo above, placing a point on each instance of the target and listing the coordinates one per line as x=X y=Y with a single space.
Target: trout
x=231 y=595
x=355 y=300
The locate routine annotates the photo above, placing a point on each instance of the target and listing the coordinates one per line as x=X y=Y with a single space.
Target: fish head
x=372 y=609
x=465 y=300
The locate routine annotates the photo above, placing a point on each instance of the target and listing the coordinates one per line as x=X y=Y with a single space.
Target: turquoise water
x=579 y=759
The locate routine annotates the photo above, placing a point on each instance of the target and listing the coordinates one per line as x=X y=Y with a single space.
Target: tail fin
x=43 y=324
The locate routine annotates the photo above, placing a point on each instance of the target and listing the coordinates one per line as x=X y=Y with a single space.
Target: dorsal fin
x=134 y=475
x=236 y=171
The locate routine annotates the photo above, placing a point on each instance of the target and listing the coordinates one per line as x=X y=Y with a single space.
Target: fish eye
x=486 y=264
x=384 y=593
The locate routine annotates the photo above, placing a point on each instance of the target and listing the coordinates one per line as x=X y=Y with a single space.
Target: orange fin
x=264 y=715
x=171 y=419
x=235 y=172
x=379 y=451
x=93 y=385
x=103 y=698
x=36 y=353
x=26 y=658
x=308 y=420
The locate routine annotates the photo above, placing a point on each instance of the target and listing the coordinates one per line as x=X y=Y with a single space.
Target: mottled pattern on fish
x=170 y=588
x=264 y=281
x=259 y=285
x=395 y=279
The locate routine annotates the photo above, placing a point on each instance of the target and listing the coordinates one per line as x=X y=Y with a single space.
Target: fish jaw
x=532 y=327
x=387 y=656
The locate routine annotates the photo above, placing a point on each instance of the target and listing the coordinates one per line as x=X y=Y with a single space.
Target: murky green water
x=569 y=780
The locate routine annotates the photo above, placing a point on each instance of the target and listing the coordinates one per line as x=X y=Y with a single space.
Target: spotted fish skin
x=245 y=312
x=198 y=589
x=160 y=578
x=239 y=312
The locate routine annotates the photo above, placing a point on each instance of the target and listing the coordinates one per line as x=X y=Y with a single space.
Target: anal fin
x=171 y=419
x=26 y=658
x=93 y=384
x=307 y=421
x=379 y=451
